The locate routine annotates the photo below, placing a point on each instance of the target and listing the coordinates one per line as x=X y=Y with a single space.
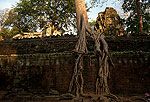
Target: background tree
x=3 y=17
x=92 y=23
x=22 y=17
x=139 y=13
x=138 y=20
x=30 y=15
x=7 y=31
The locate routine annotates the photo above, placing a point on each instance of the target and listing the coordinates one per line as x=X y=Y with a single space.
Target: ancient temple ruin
x=49 y=31
x=109 y=22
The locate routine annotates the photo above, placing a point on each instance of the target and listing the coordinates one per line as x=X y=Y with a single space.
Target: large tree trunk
x=101 y=51
x=139 y=13
x=80 y=11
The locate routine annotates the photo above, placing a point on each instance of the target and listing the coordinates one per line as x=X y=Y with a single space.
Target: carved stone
x=109 y=22
x=1 y=38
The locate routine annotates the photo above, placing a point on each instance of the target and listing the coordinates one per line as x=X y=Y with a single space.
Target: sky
x=7 y=3
x=109 y=3
x=92 y=14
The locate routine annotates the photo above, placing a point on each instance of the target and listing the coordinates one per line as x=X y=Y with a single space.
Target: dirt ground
x=55 y=96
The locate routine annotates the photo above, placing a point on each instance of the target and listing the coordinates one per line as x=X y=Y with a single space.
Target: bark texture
x=101 y=52
x=139 y=13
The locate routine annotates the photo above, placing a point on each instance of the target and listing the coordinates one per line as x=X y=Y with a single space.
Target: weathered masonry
x=48 y=64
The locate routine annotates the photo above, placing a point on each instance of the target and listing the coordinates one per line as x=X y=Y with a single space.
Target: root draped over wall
x=101 y=52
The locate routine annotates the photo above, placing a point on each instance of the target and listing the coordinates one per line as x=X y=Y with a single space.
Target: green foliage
x=7 y=33
x=14 y=31
x=101 y=3
x=92 y=23
x=22 y=17
x=4 y=14
x=5 y=19
x=4 y=33
x=132 y=22
x=28 y=15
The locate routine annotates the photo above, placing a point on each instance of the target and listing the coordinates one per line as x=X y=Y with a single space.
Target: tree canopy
x=4 y=14
x=132 y=22
x=139 y=14
x=5 y=31
x=32 y=14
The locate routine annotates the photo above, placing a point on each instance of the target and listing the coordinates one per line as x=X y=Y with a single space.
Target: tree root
x=75 y=77
x=103 y=58
x=112 y=96
x=136 y=98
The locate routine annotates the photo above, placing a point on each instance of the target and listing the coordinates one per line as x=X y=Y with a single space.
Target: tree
x=7 y=31
x=101 y=52
x=3 y=18
x=33 y=14
x=92 y=23
x=4 y=33
x=21 y=16
x=138 y=13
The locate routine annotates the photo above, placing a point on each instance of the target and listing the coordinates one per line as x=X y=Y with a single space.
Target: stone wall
x=48 y=64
